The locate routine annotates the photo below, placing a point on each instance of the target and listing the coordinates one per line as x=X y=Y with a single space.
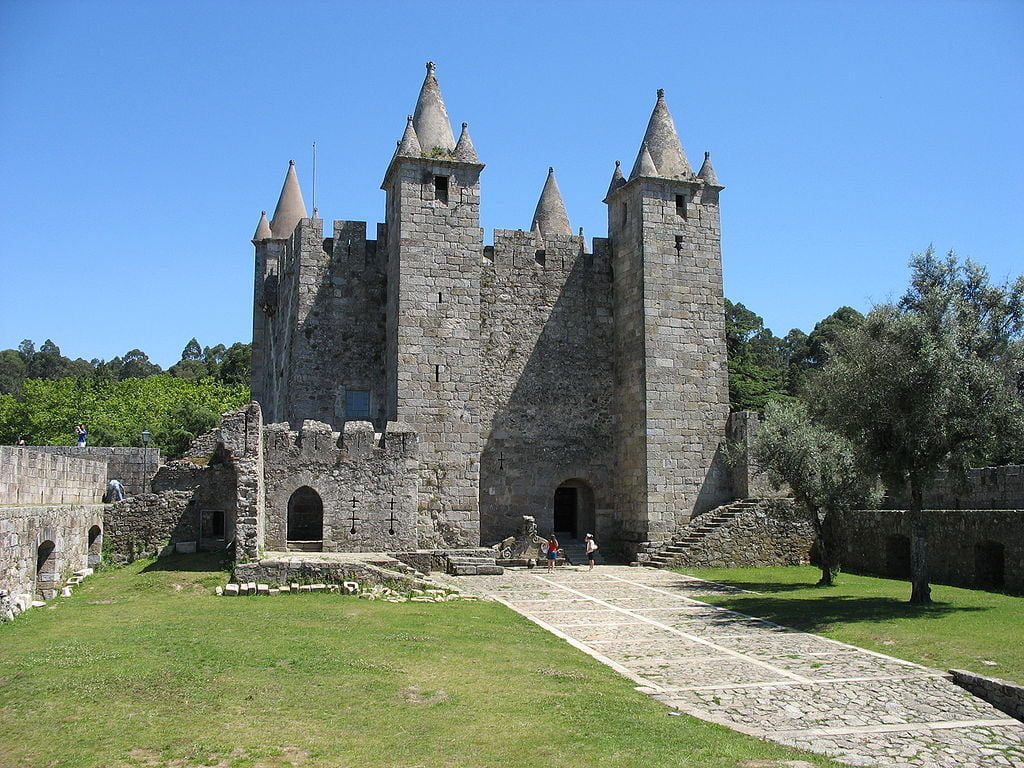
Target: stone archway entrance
x=306 y=521
x=94 y=553
x=573 y=509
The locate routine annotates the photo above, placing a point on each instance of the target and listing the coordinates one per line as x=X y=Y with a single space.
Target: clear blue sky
x=139 y=141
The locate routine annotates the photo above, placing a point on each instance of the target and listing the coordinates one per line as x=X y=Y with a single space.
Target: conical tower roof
x=262 y=229
x=464 y=150
x=617 y=178
x=644 y=165
x=663 y=143
x=431 y=117
x=409 y=146
x=707 y=172
x=550 y=216
x=290 y=206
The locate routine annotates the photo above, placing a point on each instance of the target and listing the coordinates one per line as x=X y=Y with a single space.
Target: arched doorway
x=306 y=520
x=47 y=579
x=990 y=565
x=573 y=509
x=95 y=546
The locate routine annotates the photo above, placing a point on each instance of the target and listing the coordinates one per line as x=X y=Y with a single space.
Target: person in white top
x=591 y=549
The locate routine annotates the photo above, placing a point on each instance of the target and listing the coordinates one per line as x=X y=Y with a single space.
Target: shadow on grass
x=817 y=614
x=201 y=561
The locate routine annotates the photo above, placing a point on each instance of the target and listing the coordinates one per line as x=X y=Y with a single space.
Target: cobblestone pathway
x=754 y=676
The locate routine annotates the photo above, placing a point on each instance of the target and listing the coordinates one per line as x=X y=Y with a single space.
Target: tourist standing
x=82 y=434
x=591 y=549
x=552 y=551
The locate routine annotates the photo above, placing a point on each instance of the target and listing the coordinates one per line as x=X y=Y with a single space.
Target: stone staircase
x=698 y=529
x=574 y=551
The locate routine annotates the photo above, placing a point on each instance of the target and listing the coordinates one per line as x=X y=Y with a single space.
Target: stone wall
x=40 y=546
x=356 y=481
x=142 y=525
x=970 y=548
x=546 y=411
x=30 y=475
x=134 y=467
x=1003 y=695
x=987 y=488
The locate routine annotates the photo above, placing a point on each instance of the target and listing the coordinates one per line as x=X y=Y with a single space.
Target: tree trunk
x=828 y=568
x=920 y=592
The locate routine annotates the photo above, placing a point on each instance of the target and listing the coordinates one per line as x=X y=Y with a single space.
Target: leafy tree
x=237 y=366
x=12 y=371
x=47 y=363
x=757 y=360
x=138 y=366
x=820 y=467
x=929 y=384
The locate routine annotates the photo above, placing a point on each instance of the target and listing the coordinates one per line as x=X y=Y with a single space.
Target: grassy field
x=144 y=666
x=961 y=629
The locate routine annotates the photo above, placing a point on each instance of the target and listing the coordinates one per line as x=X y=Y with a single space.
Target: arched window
x=306 y=520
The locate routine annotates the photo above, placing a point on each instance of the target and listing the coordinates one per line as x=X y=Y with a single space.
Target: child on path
x=552 y=552
x=591 y=549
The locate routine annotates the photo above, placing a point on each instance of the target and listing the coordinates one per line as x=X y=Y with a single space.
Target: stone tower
x=671 y=389
x=432 y=359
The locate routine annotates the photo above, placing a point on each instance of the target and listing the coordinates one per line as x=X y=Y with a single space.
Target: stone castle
x=586 y=386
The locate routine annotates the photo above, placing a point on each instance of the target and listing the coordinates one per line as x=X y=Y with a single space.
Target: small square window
x=441 y=189
x=357 y=405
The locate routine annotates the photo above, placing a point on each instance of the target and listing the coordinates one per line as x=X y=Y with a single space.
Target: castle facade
x=586 y=386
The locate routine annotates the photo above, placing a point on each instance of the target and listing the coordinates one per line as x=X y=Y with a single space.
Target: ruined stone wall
x=134 y=467
x=547 y=373
x=31 y=475
x=140 y=526
x=747 y=481
x=433 y=336
x=27 y=565
x=965 y=547
x=381 y=477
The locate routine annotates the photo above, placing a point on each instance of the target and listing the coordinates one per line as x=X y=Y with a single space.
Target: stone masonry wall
x=381 y=477
x=76 y=532
x=987 y=488
x=140 y=526
x=546 y=358
x=30 y=475
x=965 y=547
x=134 y=467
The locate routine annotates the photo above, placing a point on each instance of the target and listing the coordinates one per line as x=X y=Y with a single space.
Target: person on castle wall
x=82 y=434
x=115 y=491
x=552 y=552
x=21 y=440
x=591 y=549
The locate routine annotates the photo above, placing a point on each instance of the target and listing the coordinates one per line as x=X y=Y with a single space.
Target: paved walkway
x=857 y=706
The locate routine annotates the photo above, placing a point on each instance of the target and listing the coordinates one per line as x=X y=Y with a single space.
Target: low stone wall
x=30 y=475
x=1003 y=695
x=134 y=467
x=278 y=572
x=773 y=532
x=980 y=548
x=41 y=546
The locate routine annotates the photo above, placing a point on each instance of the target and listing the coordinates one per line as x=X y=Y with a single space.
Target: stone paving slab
x=857 y=706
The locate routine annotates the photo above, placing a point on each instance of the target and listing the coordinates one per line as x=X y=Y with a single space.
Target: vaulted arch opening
x=95 y=545
x=47 y=577
x=306 y=520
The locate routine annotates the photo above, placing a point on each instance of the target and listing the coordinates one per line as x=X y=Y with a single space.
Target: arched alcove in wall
x=305 y=520
x=573 y=509
x=47 y=576
x=95 y=547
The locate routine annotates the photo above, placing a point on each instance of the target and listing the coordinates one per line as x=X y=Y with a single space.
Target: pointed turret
x=550 y=216
x=644 y=165
x=262 y=229
x=409 y=146
x=431 y=118
x=465 y=151
x=290 y=206
x=617 y=178
x=663 y=143
x=707 y=172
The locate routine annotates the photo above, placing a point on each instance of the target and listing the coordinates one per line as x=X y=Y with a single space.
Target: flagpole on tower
x=314 y=179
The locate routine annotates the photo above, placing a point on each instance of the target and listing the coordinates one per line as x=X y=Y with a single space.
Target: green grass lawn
x=961 y=629
x=144 y=666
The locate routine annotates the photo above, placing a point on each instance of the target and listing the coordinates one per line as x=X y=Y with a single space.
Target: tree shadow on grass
x=200 y=561
x=818 y=614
